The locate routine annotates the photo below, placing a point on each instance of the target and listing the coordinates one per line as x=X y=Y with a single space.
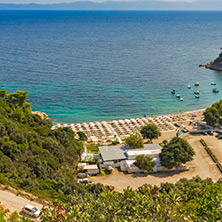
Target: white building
x=124 y=157
x=115 y=155
x=112 y=155
x=90 y=169
x=152 y=150
x=128 y=166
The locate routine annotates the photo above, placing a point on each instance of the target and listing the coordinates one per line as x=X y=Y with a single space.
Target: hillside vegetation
x=187 y=200
x=213 y=114
x=43 y=161
x=32 y=156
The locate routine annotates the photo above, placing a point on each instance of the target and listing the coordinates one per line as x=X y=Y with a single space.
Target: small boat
x=196 y=92
x=173 y=91
x=197 y=96
x=215 y=90
x=213 y=83
x=196 y=84
x=178 y=95
x=181 y=99
x=189 y=86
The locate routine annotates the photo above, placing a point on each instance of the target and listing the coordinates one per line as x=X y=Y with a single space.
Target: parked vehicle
x=220 y=137
x=85 y=180
x=82 y=175
x=31 y=211
x=204 y=133
x=185 y=131
x=210 y=133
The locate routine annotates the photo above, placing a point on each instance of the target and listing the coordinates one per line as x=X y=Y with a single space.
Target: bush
x=176 y=152
x=31 y=154
x=13 y=217
x=134 y=141
x=213 y=114
x=144 y=163
x=150 y=131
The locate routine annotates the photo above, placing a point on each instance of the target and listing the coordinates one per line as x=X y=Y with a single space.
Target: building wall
x=93 y=172
x=110 y=163
x=133 y=157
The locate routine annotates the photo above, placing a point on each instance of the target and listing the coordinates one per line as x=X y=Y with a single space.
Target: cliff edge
x=215 y=64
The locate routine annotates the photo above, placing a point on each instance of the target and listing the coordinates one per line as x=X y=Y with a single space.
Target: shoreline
x=106 y=132
x=129 y=117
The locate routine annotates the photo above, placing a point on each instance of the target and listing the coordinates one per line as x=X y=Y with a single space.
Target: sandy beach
x=105 y=133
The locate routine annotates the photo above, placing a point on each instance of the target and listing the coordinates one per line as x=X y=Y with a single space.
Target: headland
x=215 y=64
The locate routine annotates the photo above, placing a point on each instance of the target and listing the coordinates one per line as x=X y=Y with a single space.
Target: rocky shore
x=41 y=114
x=215 y=64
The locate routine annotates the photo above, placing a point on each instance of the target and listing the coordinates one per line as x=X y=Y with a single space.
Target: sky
x=68 y=1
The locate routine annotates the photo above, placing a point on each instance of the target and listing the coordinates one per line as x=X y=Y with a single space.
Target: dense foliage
x=134 y=141
x=144 y=162
x=43 y=161
x=213 y=114
x=187 y=200
x=32 y=156
x=176 y=152
x=150 y=131
x=82 y=136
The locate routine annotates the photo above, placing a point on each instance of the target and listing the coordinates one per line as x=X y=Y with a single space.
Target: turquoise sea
x=83 y=66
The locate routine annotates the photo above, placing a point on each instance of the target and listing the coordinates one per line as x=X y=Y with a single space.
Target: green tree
x=32 y=155
x=144 y=162
x=208 y=205
x=3 y=93
x=176 y=152
x=2 y=130
x=213 y=114
x=82 y=136
x=134 y=141
x=150 y=131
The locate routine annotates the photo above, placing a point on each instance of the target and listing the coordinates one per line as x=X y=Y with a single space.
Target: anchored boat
x=181 y=99
x=215 y=90
x=196 y=84
x=189 y=86
x=197 y=96
x=178 y=95
x=173 y=91
x=196 y=92
x=213 y=83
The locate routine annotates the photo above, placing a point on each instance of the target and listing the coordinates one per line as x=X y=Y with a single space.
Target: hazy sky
x=67 y=1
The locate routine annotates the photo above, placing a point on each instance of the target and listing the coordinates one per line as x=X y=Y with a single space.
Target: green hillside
x=32 y=156
x=43 y=161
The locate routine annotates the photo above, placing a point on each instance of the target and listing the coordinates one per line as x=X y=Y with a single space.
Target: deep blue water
x=86 y=66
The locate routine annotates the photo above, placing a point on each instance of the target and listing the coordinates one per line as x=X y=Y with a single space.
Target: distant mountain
x=113 y=5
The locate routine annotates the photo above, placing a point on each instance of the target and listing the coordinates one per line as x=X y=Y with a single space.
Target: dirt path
x=14 y=202
x=202 y=166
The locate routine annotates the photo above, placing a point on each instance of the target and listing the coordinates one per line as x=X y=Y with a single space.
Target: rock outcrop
x=215 y=64
x=41 y=114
